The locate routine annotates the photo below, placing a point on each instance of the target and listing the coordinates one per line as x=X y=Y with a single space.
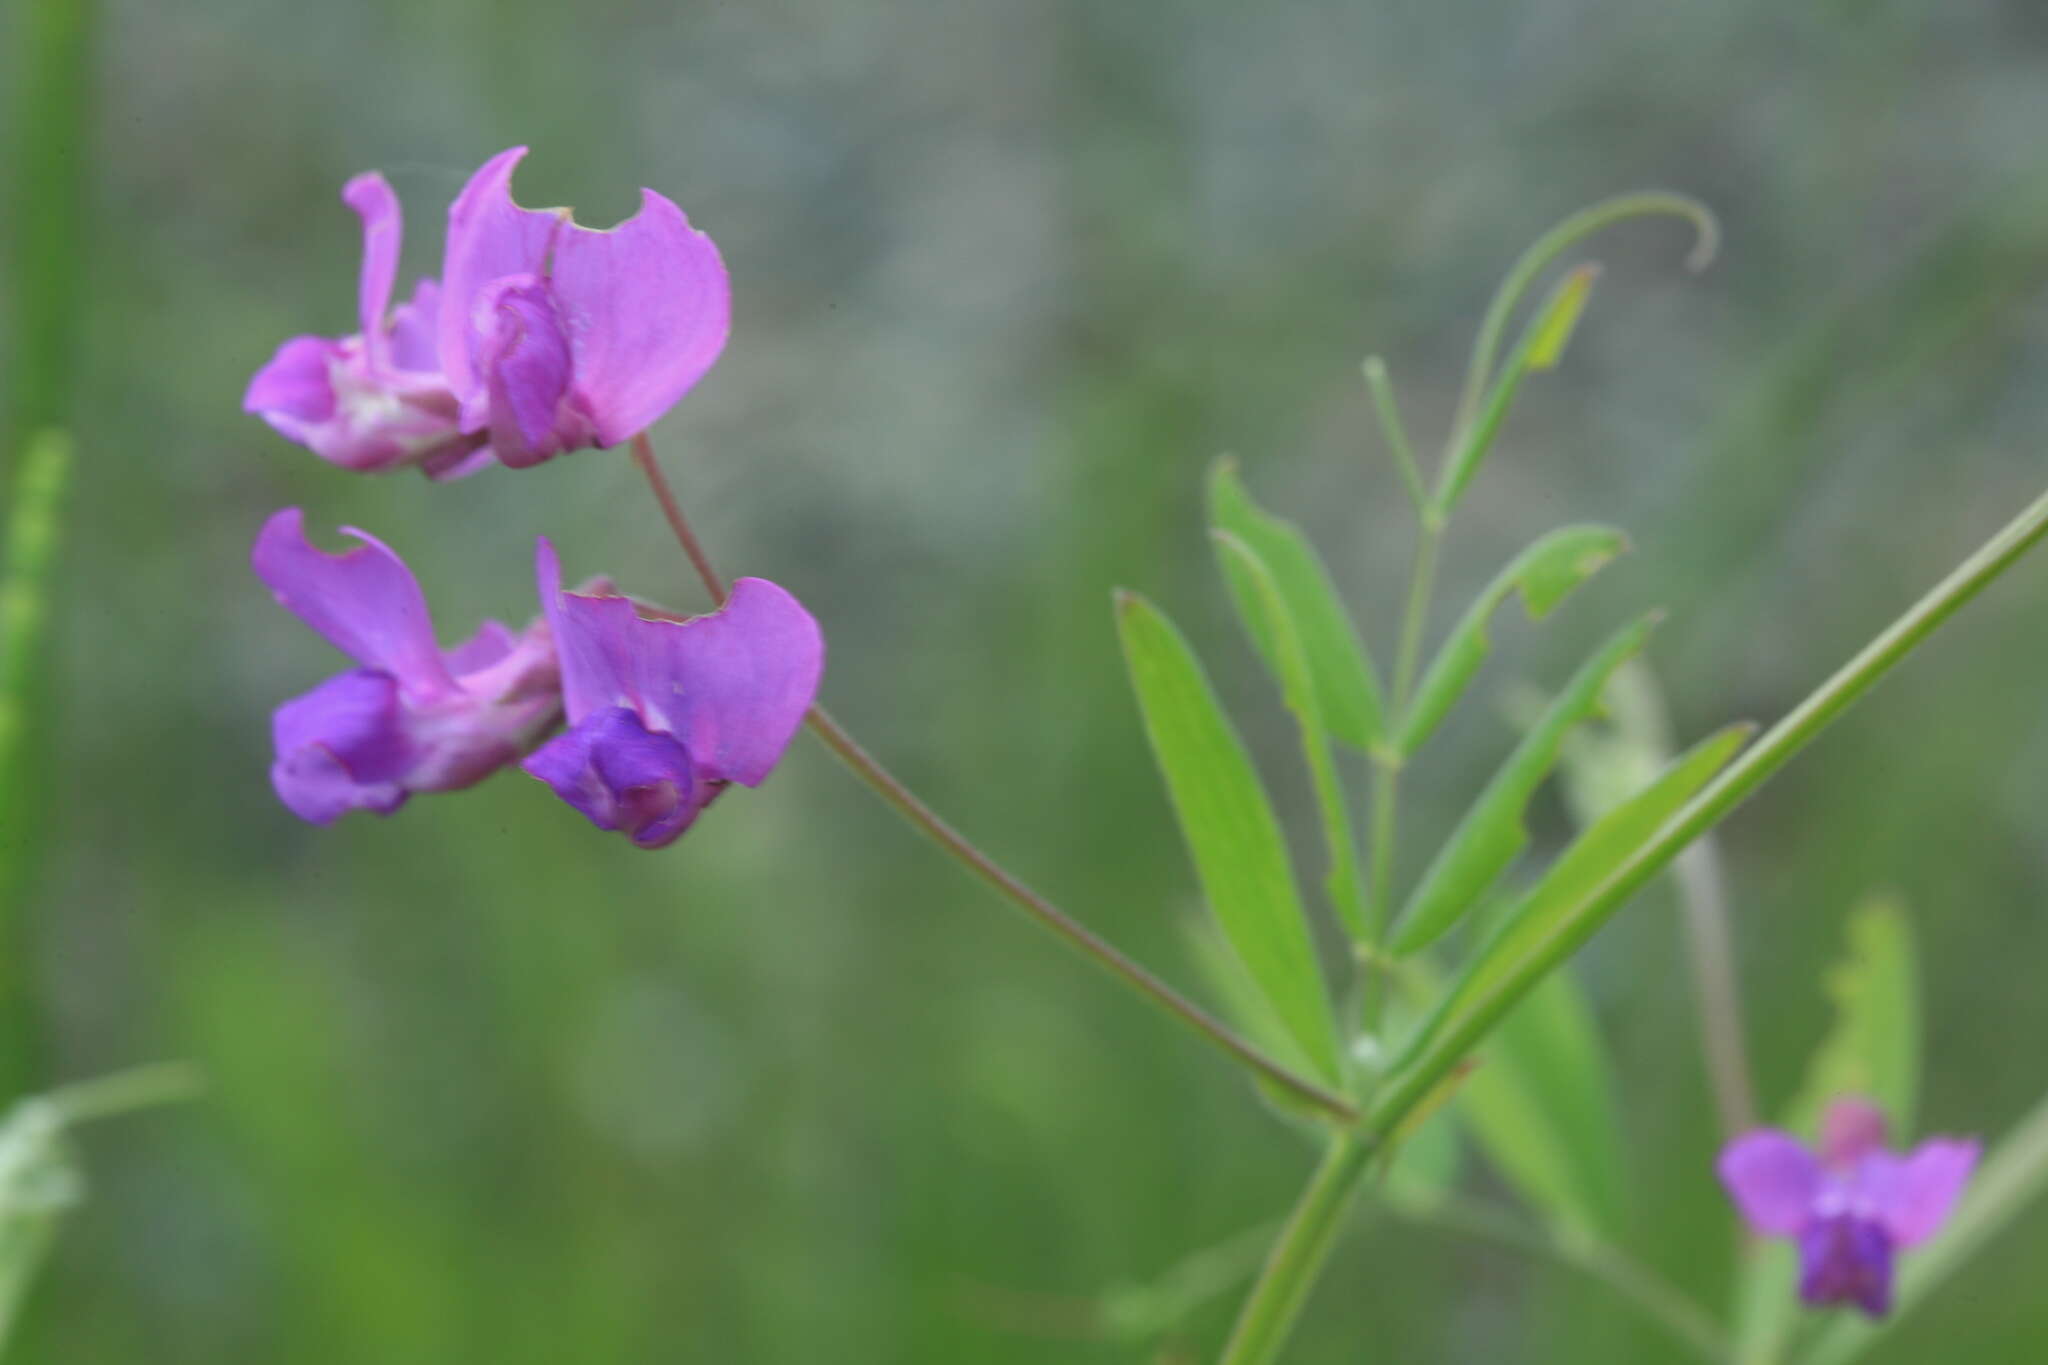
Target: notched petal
x=364 y=600
x=650 y=308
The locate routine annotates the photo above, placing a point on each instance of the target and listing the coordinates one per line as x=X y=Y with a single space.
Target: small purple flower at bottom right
x=1852 y=1205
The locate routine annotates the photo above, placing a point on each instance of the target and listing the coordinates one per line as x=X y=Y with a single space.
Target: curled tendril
x=1552 y=244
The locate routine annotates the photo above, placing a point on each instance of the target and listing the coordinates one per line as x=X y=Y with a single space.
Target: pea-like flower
x=664 y=714
x=555 y=337
x=377 y=400
x=413 y=717
x=1853 y=1205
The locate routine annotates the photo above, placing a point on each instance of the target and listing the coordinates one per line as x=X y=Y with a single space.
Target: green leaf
x=1874 y=1048
x=1611 y=760
x=1346 y=685
x=1240 y=856
x=1492 y=835
x=2012 y=1177
x=1545 y=574
x=1343 y=884
x=1557 y=914
x=1543 y=339
x=1540 y=1104
x=1246 y=1006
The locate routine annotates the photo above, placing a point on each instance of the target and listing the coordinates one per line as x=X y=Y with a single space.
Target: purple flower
x=664 y=714
x=1853 y=1206
x=555 y=337
x=413 y=717
x=376 y=400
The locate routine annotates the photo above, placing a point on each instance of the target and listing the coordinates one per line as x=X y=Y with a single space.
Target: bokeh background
x=489 y=1086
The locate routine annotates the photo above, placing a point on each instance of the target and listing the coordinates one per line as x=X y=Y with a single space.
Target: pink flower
x=1852 y=1206
x=376 y=400
x=413 y=717
x=664 y=714
x=555 y=337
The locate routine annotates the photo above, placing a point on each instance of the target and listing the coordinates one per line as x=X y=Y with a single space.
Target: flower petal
x=648 y=306
x=371 y=197
x=415 y=324
x=292 y=391
x=1773 y=1180
x=342 y=747
x=1851 y=1129
x=489 y=238
x=523 y=355
x=364 y=600
x=1846 y=1259
x=621 y=777
x=733 y=686
x=1929 y=1181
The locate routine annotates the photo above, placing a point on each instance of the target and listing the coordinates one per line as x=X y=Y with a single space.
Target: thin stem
x=1268 y=1315
x=928 y=822
x=1546 y=249
x=643 y=455
x=1396 y=432
x=1421 y=583
x=1655 y=1297
x=1702 y=893
x=1386 y=789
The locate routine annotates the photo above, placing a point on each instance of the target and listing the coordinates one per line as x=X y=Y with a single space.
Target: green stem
x=1291 y=1268
x=928 y=822
x=1748 y=772
x=1548 y=248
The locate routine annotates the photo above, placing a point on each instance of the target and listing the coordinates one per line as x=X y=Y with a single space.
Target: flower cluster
x=540 y=337
x=1852 y=1205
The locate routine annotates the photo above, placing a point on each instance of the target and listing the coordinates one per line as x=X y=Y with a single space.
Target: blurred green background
x=489 y=1086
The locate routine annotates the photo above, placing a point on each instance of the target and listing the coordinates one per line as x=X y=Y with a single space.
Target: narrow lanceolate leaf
x=1545 y=574
x=1345 y=682
x=1558 y=913
x=1240 y=856
x=1541 y=346
x=1874 y=1048
x=1492 y=835
x=2014 y=1175
x=1343 y=884
x=1541 y=1105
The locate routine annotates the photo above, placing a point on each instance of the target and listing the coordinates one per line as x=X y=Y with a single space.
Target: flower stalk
x=928 y=822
